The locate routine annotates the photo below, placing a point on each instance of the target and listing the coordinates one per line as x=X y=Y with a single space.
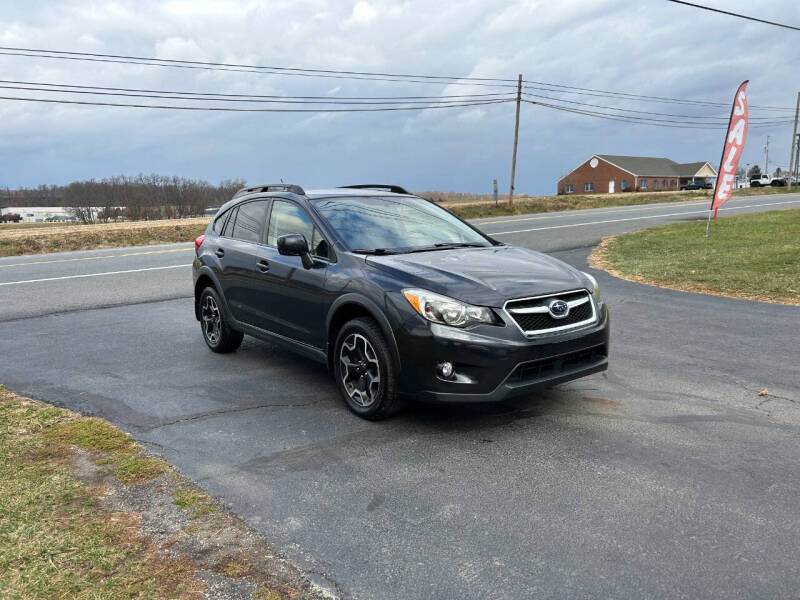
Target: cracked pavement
x=666 y=477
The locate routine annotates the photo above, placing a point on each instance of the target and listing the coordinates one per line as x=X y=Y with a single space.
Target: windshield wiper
x=375 y=251
x=447 y=246
x=460 y=245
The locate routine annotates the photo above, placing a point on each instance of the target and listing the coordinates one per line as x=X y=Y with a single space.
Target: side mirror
x=294 y=244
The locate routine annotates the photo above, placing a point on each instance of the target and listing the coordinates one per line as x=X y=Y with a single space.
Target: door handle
x=220 y=252
x=263 y=266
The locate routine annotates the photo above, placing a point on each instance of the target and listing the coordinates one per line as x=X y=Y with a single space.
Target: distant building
x=608 y=174
x=39 y=214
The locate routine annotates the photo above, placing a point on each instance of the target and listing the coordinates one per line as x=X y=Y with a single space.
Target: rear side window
x=219 y=222
x=250 y=220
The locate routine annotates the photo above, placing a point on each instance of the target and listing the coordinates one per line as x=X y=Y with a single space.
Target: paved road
x=46 y=284
x=666 y=477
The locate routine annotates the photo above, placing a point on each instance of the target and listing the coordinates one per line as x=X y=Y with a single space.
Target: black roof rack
x=394 y=189
x=271 y=187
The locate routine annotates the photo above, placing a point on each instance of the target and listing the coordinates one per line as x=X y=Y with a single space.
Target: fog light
x=445 y=369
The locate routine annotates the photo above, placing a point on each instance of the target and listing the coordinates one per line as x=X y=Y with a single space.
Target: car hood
x=484 y=276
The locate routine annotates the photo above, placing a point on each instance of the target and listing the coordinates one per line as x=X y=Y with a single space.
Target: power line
x=54 y=88
x=643 y=112
x=733 y=14
x=351 y=75
x=254 y=110
x=227 y=95
x=649 y=121
x=642 y=98
x=220 y=64
x=262 y=70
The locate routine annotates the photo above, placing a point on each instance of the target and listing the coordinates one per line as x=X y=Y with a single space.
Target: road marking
x=64 y=260
x=607 y=209
x=93 y=275
x=691 y=212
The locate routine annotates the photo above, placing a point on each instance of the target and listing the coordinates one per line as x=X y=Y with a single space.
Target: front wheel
x=365 y=370
x=217 y=333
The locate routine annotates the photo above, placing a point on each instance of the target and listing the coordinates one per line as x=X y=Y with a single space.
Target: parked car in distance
x=761 y=181
x=11 y=218
x=399 y=297
x=778 y=181
x=692 y=185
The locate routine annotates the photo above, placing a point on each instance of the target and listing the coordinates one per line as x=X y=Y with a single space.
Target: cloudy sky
x=648 y=47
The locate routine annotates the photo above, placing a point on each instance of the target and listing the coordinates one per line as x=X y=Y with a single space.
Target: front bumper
x=494 y=365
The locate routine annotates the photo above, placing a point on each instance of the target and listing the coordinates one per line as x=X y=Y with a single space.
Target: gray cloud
x=654 y=48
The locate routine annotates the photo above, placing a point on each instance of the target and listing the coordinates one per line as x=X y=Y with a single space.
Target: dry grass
x=62 y=238
x=755 y=257
x=55 y=541
x=85 y=514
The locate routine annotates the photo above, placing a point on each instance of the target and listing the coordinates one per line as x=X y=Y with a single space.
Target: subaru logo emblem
x=558 y=309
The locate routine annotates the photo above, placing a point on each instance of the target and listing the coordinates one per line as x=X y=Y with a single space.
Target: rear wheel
x=217 y=333
x=365 y=370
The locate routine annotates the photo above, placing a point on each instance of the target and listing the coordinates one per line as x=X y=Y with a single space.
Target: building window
x=655 y=184
x=672 y=183
x=570 y=187
x=643 y=184
x=665 y=183
x=588 y=187
x=623 y=185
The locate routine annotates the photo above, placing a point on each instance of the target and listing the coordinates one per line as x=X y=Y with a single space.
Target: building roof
x=645 y=166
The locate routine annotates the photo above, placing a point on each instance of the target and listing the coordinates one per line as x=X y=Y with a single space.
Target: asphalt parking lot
x=666 y=477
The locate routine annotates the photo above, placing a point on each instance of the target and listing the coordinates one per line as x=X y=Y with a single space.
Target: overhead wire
x=53 y=88
x=648 y=121
x=733 y=14
x=345 y=74
x=254 y=110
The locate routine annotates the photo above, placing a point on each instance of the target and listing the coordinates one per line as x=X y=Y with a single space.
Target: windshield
x=399 y=224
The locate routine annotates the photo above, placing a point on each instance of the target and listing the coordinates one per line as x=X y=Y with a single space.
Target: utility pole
x=516 y=139
x=797 y=157
x=792 y=162
x=766 y=159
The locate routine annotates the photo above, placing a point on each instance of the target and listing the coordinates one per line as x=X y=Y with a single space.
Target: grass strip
x=755 y=257
x=54 y=540
x=90 y=237
x=542 y=204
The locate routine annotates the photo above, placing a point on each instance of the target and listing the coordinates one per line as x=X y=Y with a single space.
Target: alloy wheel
x=360 y=370
x=212 y=320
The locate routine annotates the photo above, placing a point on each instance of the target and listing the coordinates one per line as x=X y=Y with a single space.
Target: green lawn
x=756 y=257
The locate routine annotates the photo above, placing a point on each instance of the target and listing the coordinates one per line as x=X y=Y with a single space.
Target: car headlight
x=447 y=311
x=596 y=288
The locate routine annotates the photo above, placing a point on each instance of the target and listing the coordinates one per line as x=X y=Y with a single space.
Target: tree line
x=138 y=197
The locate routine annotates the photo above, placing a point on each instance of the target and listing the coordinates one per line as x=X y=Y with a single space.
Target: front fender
x=374 y=311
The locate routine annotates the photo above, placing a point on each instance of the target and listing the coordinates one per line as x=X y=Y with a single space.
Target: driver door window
x=286 y=218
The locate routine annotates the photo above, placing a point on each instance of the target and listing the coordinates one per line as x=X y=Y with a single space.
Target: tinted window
x=319 y=245
x=366 y=223
x=219 y=222
x=226 y=231
x=288 y=218
x=250 y=220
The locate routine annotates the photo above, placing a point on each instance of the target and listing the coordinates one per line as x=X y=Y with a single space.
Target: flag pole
x=708 y=223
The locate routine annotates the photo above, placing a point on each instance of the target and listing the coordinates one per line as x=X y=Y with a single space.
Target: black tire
x=217 y=333
x=369 y=400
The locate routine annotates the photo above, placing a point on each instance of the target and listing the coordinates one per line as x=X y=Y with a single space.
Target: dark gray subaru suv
x=399 y=297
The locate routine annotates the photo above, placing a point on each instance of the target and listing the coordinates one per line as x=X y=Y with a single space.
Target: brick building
x=607 y=174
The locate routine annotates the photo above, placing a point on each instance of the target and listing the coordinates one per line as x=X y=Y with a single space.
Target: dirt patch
x=602 y=401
